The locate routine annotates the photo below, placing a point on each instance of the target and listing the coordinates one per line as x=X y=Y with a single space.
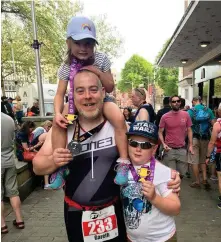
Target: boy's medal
x=75 y=146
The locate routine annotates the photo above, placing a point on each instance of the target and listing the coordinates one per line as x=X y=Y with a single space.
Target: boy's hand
x=148 y=190
x=61 y=157
x=174 y=184
x=60 y=120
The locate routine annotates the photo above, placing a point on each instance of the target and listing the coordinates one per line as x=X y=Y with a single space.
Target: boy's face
x=139 y=155
x=82 y=49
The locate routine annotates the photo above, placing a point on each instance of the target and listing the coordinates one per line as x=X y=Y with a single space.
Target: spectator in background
x=6 y=107
x=22 y=139
x=10 y=101
x=9 y=186
x=38 y=139
x=35 y=108
x=166 y=108
x=182 y=104
x=187 y=107
x=17 y=106
x=29 y=113
x=128 y=115
x=145 y=110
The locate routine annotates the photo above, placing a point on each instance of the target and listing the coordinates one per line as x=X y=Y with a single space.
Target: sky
x=145 y=25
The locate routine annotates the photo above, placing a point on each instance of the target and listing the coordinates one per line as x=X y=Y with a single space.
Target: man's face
x=175 y=103
x=88 y=95
x=135 y=99
x=139 y=156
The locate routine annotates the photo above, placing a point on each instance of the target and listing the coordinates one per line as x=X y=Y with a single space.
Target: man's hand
x=175 y=183
x=60 y=120
x=166 y=147
x=61 y=157
x=191 y=150
x=148 y=190
x=207 y=161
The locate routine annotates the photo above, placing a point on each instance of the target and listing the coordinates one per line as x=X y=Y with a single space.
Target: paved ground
x=199 y=221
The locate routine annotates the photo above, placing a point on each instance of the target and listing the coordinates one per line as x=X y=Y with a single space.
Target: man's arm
x=46 y=161
x=190 y=139
x=216 y=128
x=143 y=115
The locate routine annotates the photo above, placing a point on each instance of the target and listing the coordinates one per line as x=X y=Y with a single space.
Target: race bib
x=99 y=225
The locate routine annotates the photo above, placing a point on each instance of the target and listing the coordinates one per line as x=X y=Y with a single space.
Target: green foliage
x=167 y=78
x=51 y=18
x=136 y=71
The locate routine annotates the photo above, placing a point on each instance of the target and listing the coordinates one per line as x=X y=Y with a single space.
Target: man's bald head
x=85 y=73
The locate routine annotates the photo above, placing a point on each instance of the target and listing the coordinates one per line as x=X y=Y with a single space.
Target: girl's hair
x=26 y=126
x=68 y=56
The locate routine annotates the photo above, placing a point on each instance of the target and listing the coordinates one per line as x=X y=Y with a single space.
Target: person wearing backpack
x=202 y=119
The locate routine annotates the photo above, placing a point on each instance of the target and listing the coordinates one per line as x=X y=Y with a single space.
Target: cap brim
x=145 y=136
x=83 y=36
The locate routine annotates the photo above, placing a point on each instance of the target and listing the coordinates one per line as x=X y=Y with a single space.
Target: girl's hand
x=60 y=120
x=174 y=184
x=148 y=190
x=93 y=69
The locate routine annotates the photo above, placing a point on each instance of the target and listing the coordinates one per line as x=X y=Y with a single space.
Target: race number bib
x=99 y=225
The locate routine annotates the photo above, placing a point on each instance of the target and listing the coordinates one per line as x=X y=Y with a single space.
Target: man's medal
x=75 y=146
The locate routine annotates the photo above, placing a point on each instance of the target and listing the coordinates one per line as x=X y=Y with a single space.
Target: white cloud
x=145 y=25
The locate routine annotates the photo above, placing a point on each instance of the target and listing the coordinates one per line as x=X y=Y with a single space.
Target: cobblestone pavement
x=199 y=221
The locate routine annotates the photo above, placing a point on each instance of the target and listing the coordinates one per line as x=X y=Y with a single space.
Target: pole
x=36 y=46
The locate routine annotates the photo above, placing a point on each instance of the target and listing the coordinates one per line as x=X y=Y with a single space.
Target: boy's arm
x=169 y=205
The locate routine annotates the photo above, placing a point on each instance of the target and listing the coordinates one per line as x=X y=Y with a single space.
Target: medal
x=75 y=147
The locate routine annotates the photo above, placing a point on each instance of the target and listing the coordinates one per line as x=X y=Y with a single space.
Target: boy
x=149 y=206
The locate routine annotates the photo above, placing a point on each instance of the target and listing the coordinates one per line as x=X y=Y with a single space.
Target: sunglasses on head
x=145 y=145
x=176 y=101
x=138 y=90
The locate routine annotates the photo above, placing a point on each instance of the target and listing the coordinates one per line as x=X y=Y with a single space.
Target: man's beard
x=175 y=108
x=91 y=115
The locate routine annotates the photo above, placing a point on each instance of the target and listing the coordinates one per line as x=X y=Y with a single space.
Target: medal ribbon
x=74 y=68
x=149 y=177
x=88 y=134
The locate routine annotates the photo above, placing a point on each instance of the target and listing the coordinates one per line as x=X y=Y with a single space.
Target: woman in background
x=128 y=115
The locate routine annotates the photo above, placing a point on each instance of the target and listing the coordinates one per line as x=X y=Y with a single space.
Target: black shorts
x=218 y=161
x=74 y=229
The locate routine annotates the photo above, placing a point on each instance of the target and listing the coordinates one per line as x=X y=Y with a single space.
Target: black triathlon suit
x=94 y=185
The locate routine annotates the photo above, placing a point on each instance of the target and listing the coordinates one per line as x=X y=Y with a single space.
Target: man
x=176 y=124
x=215 y=141
x=202 y=119
x=6 y=107
x=90 y=191
x=35 y=108
x=166 y=108
x=10 y=101
x=9 y=187
x=145 y=110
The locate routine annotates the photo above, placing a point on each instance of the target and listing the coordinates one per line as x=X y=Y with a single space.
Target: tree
x=52 y=18
x=136 y=71
x=167 y=78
